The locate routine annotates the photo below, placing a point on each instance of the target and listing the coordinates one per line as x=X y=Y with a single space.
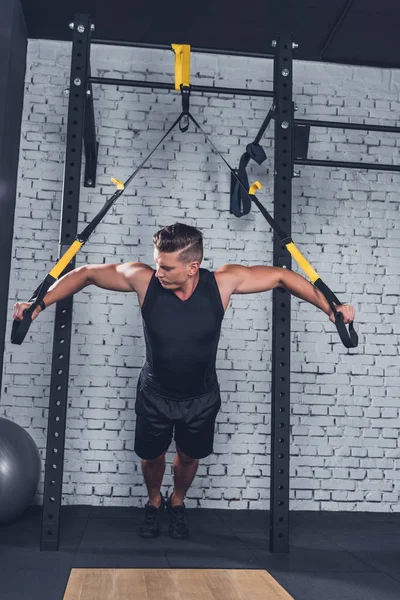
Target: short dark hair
x=179 y=236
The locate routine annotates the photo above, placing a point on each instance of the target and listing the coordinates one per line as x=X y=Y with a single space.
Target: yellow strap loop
x=118 y=183
x=253 y=188
x=182 y=65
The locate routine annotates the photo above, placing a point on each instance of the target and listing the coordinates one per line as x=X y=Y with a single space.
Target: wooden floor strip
x=173 y=584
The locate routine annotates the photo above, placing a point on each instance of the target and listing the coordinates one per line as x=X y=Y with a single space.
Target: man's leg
x=195 y=434
x=185 y=469
x=153 y=472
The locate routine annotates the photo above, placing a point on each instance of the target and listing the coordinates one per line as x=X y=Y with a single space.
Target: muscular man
x=182 y=307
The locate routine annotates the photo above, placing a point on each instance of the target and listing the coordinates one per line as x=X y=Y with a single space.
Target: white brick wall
x=345 y=415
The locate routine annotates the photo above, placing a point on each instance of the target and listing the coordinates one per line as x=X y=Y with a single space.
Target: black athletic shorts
x=193 y=421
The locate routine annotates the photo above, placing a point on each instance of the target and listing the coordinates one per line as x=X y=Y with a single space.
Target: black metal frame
x=170 y=86
x=127 y=44
x=343 y=125
x=80 y=61
x=81 y=126
x=281 y=301
x=89 y=136
x=345 y=164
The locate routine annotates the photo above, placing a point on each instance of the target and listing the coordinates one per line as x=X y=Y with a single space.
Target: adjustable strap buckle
x=184 y=120
x=182 y=80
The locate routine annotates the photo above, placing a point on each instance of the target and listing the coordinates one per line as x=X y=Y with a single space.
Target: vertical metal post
x=280 y=398
x=13 y=44
x=62 y=328
x=89 y=138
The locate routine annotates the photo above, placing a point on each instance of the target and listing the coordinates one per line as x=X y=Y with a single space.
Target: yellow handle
x=182 y=65
x=302 y=262
x=253 y=188
x=66 y=259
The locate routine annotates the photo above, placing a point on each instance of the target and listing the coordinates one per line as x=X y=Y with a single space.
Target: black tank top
x=182 y=338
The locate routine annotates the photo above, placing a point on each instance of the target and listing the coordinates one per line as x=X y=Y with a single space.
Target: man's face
x=171 y=272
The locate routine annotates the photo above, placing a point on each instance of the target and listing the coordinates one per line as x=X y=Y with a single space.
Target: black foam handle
x=21 y=328
x=349 y=338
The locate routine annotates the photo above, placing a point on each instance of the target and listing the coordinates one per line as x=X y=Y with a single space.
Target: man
x=182 y=308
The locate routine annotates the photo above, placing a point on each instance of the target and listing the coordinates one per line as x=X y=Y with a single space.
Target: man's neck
x=187 y=290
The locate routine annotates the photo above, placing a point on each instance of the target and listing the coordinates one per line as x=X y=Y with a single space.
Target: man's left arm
x=250 y=280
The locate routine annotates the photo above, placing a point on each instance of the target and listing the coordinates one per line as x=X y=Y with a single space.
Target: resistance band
x=182 y=82
x=21 y=328
x=240 y=201
x=349 y=338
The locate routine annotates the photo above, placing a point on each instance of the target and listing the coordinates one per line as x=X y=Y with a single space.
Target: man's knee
x=155 y=461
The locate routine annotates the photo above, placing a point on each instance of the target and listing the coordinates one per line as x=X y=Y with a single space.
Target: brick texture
x=345 y=409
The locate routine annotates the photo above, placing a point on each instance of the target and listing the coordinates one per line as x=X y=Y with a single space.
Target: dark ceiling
x=360 y=32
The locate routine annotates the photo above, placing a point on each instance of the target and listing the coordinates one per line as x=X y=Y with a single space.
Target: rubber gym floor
x=346 y=556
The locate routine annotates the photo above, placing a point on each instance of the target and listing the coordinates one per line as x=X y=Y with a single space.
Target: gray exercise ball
x=20 y=468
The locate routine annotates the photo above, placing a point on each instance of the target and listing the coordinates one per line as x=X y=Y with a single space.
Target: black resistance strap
x=349 y=338
x=21 y=328
x=240 y=201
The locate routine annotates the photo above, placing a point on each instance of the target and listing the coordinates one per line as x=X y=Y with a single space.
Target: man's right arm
x=122 y=277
